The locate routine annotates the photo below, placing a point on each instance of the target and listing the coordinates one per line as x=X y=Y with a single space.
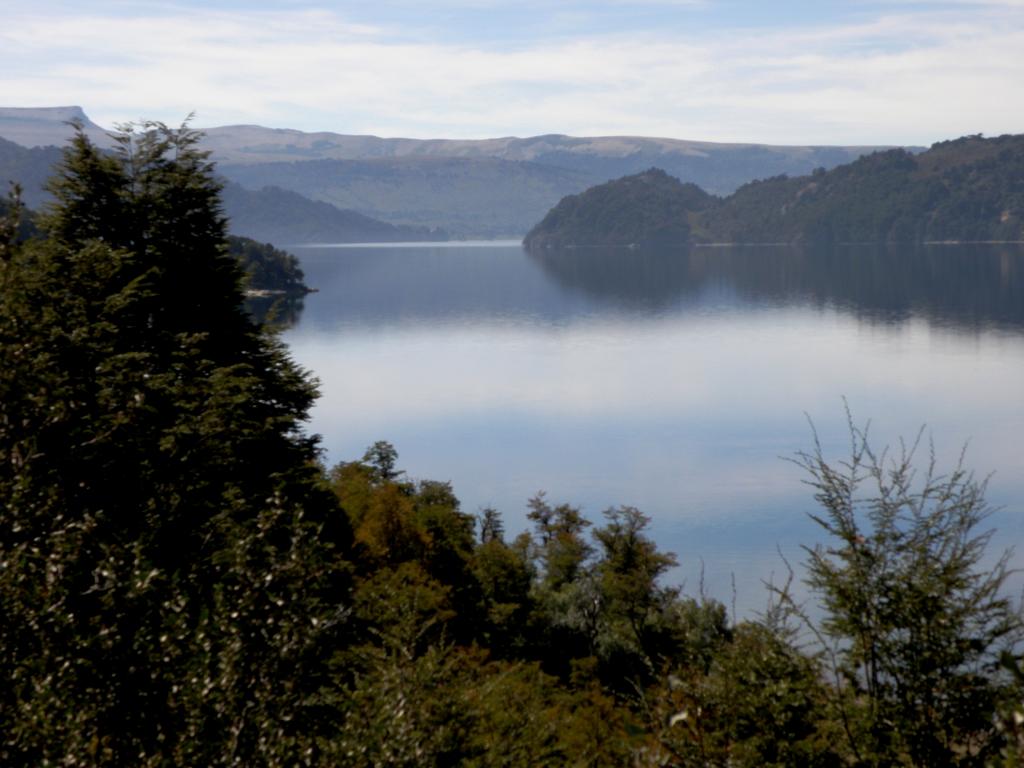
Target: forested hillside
x=651 y=208
x=970 y=189
x=267 y=269
x=183 y=583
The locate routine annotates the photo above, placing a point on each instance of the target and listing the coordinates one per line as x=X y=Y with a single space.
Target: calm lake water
x=675 y=382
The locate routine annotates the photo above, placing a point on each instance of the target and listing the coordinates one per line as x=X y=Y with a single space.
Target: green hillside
x=969 y=189
x=650 y=207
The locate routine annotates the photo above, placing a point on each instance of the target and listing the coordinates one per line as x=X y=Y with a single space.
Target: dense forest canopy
x=970 y=189
x=183 y=583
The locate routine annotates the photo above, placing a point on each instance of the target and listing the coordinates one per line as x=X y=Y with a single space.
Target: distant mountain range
x=460 y=188
x=969 y=189
x=281 y=216
x=269 y=214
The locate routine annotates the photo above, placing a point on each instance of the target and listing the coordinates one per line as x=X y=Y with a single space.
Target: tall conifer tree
x=171 y=565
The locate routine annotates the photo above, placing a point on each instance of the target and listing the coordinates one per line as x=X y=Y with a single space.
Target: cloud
x=907 y=77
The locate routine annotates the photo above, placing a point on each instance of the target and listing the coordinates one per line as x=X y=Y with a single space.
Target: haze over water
x=673 y=381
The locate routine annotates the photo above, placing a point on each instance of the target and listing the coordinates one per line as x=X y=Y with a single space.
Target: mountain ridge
x=494 y=187
x=967 y=189
x=266 y=214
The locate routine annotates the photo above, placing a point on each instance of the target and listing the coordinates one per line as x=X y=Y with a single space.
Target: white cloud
x=902 y=78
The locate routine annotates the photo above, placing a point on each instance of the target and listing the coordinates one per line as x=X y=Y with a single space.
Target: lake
x=674 y=381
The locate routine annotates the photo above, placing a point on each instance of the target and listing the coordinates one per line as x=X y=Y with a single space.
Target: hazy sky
x=859 y=72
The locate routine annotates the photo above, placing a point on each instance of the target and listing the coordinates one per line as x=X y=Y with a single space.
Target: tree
x=381 y=457
x=172 y=566
x=634 y=606
x=915 y=618
x=563 y=550
x=504 y=574
x=492 y=528
x=757 y=702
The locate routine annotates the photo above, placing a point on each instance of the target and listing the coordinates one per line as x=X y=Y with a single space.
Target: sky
x=862 y=72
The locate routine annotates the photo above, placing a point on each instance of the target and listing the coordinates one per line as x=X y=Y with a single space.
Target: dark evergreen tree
x=172 y=572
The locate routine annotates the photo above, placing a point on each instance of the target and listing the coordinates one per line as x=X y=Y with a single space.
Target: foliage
x=1010 y=722
x=17 y=223
x=182 y=583
x=757 y=702
x=635 y=673
x=646 y=208
x=636 y=608
x=969 y=189
x=172 y=566
x=267 y=268
x=915 y=617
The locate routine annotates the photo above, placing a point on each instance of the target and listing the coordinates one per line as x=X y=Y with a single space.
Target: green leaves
x=915 y=619
x=180 y=585
x=175 y=572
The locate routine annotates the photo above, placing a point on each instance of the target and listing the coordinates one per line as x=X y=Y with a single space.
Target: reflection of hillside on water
x=277 y=312
x=968 y=287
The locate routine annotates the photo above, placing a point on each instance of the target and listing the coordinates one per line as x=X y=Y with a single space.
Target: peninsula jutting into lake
x=966 y=190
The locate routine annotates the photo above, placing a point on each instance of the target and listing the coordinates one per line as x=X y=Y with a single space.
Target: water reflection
x=277 y=312
x=960 y=287
x=670 y=381
x=968 y=287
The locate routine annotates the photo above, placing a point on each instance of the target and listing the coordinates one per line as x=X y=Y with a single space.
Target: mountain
x=717 y=167
x=268 y=214
x=970 y=188
x=47 y=126
x=281 y=216
x=28 y=167
x=489 y=187
x=967 y=189
x=482 y=197
x=486 y=187
x=650 y=207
